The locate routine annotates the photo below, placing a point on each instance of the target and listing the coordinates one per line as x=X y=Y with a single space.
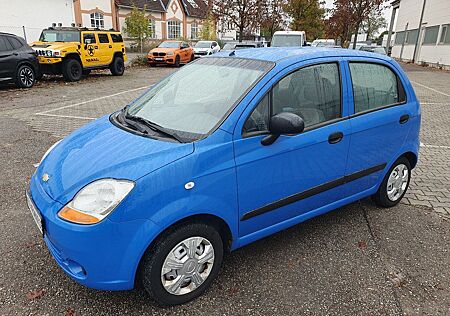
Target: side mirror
x=283 y=123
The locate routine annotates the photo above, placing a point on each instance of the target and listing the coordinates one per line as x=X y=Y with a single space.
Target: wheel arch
x=25 y=63
x=412 y=158
x=73 y=56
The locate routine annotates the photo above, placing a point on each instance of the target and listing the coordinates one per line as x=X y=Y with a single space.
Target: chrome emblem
x=45 y=177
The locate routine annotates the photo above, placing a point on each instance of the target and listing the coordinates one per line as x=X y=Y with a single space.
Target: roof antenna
x=232 y=54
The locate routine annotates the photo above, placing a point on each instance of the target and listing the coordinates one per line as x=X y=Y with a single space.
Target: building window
x=173 y=29
x=194 y=30
x=431 y=35
x=152 y=28
x=411 y=37
x=97 y=20
x=444 y=32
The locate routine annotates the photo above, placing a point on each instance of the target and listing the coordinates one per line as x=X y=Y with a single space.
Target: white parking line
x=66 y=116
x=93 y=100
x=434 y=146
x=429 y=88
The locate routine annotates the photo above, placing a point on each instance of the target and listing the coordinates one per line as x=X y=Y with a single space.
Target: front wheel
x=177 y=61
x=72 y=70
x=117 y=67
x=25 y=77
x=182 y=264
x=394 y=184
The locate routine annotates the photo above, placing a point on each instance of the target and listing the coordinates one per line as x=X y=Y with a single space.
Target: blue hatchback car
x=228 y=150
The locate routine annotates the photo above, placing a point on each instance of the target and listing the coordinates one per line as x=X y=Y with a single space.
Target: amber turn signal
x=74 y=216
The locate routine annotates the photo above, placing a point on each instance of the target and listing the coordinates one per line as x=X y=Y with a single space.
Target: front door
x=90 y=51
x=380 y=123
x=297 y=173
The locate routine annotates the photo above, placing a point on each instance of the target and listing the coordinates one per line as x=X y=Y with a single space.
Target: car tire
x=177 y=61
x=192 y=58
x=172 y=242
x=25 y=77
x=72 y=70
x=394 y=185
x=117 y=67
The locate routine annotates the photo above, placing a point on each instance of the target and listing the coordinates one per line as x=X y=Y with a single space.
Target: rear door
x=380 y=121
x=8 y=59
x=105 y=48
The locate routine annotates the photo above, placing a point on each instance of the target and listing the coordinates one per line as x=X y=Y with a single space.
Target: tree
x=208 y=31
x=245 y=15
x=273 y=17
x=373 y=23
x=137 y=26
x=307 y=15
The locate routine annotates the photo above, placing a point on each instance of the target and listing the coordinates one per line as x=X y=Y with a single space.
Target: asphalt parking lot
x=358 y=260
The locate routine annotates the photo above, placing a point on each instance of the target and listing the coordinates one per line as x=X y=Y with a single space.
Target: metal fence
x=30 y=34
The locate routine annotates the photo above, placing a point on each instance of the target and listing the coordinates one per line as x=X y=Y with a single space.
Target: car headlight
x=47 y=152
x=95 y=201
x=170 y=54
x=57 y=53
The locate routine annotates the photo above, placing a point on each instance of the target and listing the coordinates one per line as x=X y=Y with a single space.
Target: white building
x=422 y=33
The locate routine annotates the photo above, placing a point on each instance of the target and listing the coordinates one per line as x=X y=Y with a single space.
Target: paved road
x=357 y=260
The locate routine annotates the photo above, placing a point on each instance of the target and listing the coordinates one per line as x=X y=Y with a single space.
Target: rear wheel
x=25 y=77
x=182 y=264
x=117 y=67
x=72 y=70
x=394 y=184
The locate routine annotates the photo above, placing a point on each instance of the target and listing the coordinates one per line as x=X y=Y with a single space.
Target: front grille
x=159 y=54
x=43 y=52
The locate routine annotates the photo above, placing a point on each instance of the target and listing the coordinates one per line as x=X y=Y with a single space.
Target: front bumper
x=103 y=256
x=161 y=59
x=48 y=60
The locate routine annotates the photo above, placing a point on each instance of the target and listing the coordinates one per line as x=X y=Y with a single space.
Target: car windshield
x=195 y=99
x=286 y=40
x=229 y=46
x=59 y=36
x=169 y=45
x=203 y=45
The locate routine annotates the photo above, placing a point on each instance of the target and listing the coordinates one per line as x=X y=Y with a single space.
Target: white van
x=288 y=38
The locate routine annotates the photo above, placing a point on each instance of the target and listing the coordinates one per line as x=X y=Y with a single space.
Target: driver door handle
x=404 y=119
x=335 y=138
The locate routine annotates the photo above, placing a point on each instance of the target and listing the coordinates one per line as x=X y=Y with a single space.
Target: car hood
x=163 y=50
x=103 y=150
x=53 y=45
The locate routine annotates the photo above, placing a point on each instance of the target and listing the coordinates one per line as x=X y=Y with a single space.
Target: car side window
x=103 y=38
x=116 y=38
x=15 y=42
x=4 y=44
x=258 y=121
x=375 y=86
x=89 y=36
x=313 y=93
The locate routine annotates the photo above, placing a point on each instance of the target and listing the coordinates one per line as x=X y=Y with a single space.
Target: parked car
x=159 y=191
x=374 y=49
x=74 y=51
x=240 y=45
x=288 y=39
x=171 y=53
x=203 y=48
x=18 y=62
x=322 y=42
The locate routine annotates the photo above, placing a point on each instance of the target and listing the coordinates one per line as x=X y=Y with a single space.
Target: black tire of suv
x=153 y=260
x=117 y=67
x=25 y=77
x=72 y=70
x=177 y=61
x=381 y=197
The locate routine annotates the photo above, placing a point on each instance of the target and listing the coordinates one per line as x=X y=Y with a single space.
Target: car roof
x=275 y=54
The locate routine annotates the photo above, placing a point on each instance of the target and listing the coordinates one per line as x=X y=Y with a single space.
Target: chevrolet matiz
x=230 y=149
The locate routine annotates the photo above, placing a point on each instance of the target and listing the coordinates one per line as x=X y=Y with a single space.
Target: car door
x=90 y=50
x=185 y=52
x=297 y=173
x=8 y=59
x=105 y=50
x=380 y=122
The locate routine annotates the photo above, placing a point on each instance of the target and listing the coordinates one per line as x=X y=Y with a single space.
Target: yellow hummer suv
x=74 y=52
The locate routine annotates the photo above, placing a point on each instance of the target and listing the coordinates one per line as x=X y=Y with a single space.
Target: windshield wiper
x=153 y=126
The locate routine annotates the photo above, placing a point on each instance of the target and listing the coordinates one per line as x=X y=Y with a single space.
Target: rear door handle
x=335 y=137
x=404 y=119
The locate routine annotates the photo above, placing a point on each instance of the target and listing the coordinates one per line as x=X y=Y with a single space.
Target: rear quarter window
x=375 y=86
x=16 y=44
x=117 y=38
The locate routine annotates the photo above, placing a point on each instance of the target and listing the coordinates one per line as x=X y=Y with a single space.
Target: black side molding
x=313 y=191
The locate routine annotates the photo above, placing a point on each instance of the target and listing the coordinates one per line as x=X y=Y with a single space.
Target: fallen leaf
x=362 y=244
x=35 y=294
x=70 y=312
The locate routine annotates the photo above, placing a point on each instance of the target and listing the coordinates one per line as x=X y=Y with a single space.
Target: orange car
x=171 y=53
